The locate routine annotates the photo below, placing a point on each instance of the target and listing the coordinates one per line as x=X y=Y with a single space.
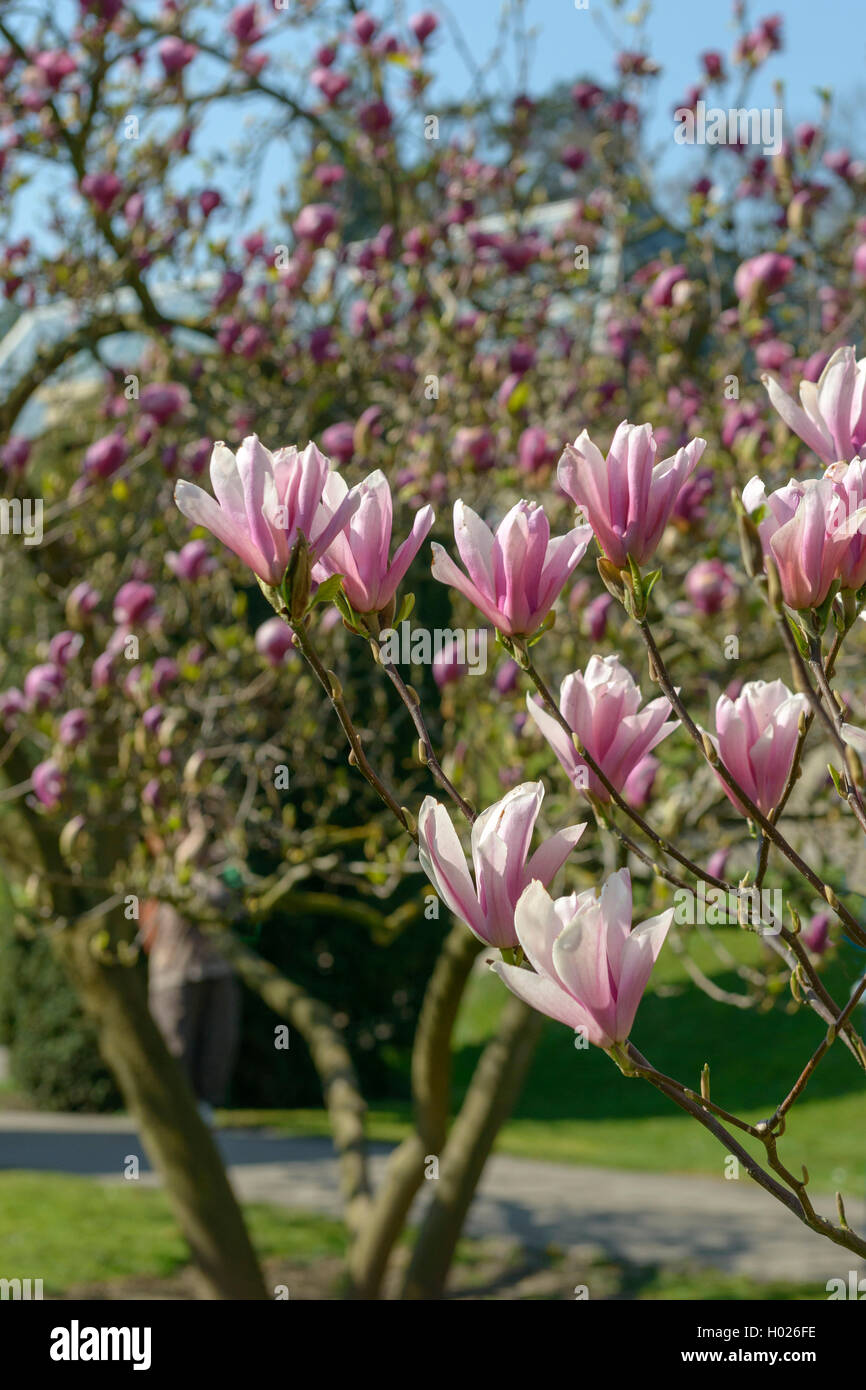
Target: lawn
x=73 y=1231
x=576 y=1106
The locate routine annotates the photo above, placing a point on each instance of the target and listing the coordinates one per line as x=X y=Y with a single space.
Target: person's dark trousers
x=200 y=1022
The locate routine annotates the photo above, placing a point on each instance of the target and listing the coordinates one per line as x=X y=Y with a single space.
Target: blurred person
x=193 y=995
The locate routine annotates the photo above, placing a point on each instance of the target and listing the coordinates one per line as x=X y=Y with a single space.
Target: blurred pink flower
x=105 y=456
x=49 y=784
x=423 y=24
x=43 y=684
x=710 y=585
x=273 y=640
x=192 y=560
x=315 y=222
x=762 y=275
x=73 y=727
x=134 y=602
x=64 y=646
x=175 y=54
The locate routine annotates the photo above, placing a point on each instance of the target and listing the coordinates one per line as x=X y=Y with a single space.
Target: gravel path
x=643 y=1218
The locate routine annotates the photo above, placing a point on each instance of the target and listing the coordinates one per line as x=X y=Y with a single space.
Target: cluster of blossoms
x=292 y=518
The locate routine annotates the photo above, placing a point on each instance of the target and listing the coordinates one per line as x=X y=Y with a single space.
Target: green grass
x=576 y=1106
x=71 y=1230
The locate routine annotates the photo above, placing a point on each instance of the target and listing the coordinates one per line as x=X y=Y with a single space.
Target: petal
x=445 y=570
x=550 y=856
x=199 y=507
x=547 y=998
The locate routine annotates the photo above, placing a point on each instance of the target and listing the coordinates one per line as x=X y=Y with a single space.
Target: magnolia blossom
x=804 y=533
x=756 y=738
x=264 y=501
x=831 y=417
x=628 y=498
x=500 y=845
x=273 y=640
x=602 y=706
x=360 y=552
x=590 y=967
x=73 y=727
x=516 y=575
x=49 y=784
x=849 y=480
x=44 y=683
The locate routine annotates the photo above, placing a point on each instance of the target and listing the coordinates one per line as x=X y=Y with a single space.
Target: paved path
x=644 y=1218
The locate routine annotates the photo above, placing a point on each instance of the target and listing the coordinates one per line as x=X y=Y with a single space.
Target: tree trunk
x=177 y=1140
x=431 y=1088
x=495 y=1086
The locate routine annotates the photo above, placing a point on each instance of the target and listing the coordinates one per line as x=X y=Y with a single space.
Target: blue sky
x=824 y=45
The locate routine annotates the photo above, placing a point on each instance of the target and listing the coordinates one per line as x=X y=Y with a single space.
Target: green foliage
x=54 y=1054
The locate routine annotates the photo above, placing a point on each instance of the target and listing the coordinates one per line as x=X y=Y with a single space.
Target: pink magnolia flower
x=315 y=222
x=516 y=575
x=338 y=441
x=73 y=727
x=804 y=534
x=628 y=498
x=360 y=552
x=500 y=844
x=264 y=501
x=710 y=585
x=243 y=23
x=12 y=703
x=162 y=399
x=273 y=640
x=831 y=417
x=590 y=967
x=423 y=24
x=15 y=453
x=81 y=602
x=134 y=602
x=756 y=737
x=49 y=783
x=101 y=189
x=447 y=667
x=762 y=275
x=209 y=200
x=104 y=457
x=816 y=934
x=849 y=480
x=64 y=646
x=54 y=64
x=175 y=54
x=602 y=706
x=534 y=450
x=192 y=560
x=165 y=673
x=661 y=292
x=43 y=684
